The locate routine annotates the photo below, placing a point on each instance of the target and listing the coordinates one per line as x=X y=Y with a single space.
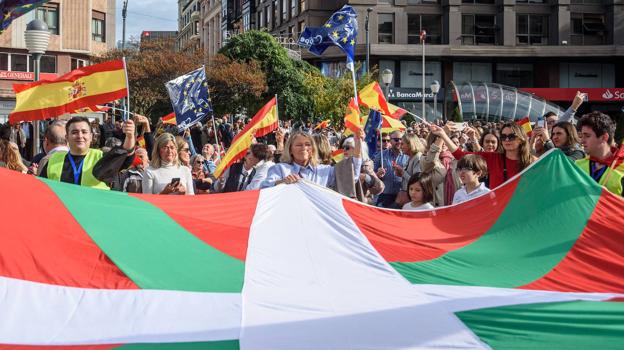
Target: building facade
x=188 y=25
x=211 y=33
x=547 y=44
x=80 y=29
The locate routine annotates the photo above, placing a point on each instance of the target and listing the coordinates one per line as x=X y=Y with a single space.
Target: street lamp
x=435 y=88
x=386 y=78
x=368 y=11
x=37 y=37
x=124 y=14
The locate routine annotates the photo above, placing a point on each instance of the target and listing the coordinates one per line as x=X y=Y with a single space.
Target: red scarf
x=449 y=184
x=617 y=156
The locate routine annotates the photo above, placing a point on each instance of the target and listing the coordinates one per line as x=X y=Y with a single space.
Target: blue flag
x=340 y=30
x=190 y=98
x=12 y=9
x=373 y=125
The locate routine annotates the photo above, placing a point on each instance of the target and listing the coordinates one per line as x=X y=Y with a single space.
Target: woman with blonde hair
x=323 y=148
x=10 y=156
x=502 y=166
x=300 y=161
x=166 y=175
x=413 y=149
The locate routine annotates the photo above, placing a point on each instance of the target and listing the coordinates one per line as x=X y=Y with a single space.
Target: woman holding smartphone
x=166 y=175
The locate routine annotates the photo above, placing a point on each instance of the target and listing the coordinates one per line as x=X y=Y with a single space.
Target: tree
x=236 y=87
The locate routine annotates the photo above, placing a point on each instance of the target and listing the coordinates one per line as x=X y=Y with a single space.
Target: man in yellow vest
x=83 y=165
x=602 y=162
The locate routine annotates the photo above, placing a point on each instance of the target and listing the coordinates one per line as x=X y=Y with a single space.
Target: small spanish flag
x=352 y=117
x=525 y=124
x=338 y=155
x=141 y=141
x=264 y=122
x=82 y=88
x=372 y=96
x=170 y=119
x=323 y=125
x=389 y=125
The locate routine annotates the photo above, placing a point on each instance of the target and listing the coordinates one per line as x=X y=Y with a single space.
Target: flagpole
x=382 y=145
x=214 y=127
x=417 y=117
x=422 y=39
x=355 y=95
x=277 y=110
x=127 y=104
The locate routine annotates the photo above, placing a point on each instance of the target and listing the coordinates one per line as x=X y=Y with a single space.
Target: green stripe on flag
x=217 y=345
x=147 y=245
x=533 y=234
x=567 y=325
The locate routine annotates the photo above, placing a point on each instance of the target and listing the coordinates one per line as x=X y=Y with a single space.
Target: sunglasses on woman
x=508 y=137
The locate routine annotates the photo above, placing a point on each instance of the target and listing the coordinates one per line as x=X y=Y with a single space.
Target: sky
x=147 y=15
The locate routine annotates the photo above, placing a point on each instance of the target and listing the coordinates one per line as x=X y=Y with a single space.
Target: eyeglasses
x=508 y=137
x=395 y=139
x=346 y=148
x=385 y=140
x=185 y=150
x=198 y=162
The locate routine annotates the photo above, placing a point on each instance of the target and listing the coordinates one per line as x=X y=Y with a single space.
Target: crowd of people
x=425 y=166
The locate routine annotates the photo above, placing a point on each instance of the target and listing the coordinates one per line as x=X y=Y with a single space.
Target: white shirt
x=408 y=206
x=462 y=195
x=262 y=170
x=155 y=179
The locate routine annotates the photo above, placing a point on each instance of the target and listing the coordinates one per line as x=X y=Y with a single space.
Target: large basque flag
x=13 y=9
x=535 y=264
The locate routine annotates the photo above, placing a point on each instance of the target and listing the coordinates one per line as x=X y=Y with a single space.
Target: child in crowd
x=471 y=168
x=420 y=192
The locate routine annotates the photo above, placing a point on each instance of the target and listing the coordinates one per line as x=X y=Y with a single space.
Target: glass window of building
x=472 y=71
x=532 y=30
x=587 y=75
x=48 y=64
x=478 y=1
x=4 y=61
x=588 y=29
x=98 y=26
x=478 y=30
x=267 y=11
x=411 y=73
x=261 y=18
x=385 y=29
x=302 y=6
x=432 y=24
x=275 y=13
x=19 y=63
x=78 y=63
x=284 y=10
x=515 y=74
x=49 y=13
x=419 y=2
x=293 y=8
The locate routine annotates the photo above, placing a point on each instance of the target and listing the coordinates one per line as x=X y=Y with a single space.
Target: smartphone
x=541 y=123
x=461 y=126
x=175 y=181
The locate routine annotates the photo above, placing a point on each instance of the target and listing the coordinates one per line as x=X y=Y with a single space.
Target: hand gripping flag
x=190 y=98
x=341 y=30
x=82 y=88
x=373 y=125
x=372 y=96
x=261 y=124
x=13 y=9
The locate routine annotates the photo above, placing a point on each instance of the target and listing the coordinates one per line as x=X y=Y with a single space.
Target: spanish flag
x=352 y=118
x=170 y=119
x=525 y=124
x=264 y=122
x=372 y=96
x=323 y=125
x=141 y=141
x=82 y=88
x=338 y=155
x=389 y=125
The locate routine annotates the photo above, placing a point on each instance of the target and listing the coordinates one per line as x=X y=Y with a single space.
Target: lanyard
x=596 y=174
x=77 y=171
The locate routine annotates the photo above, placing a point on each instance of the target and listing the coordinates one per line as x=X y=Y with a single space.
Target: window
x=292 y=31
x=517 y=75
x=49 y=13
x=478 y=1
x=98 y=27
x=385 y=30
x=19 y=63
x=478 y=30
x=302 y=6
x=267 y=11
x=411 y=73
x=588 y=29
x=261 y=15
x=293 y=8
x=532 y=30
x=301 y=27
x=432 y=24
x=284 y=10
x=4 y=61
x=48 y=64
x=418 y=2
x=77 y=63
x=532 y=1
x=472 y=71
x=275 y=13
x=587 y=2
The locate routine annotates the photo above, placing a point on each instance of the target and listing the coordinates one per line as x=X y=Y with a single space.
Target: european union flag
x=190 y=98
x=373 y=125
x=12 y=9
x=340 y=30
